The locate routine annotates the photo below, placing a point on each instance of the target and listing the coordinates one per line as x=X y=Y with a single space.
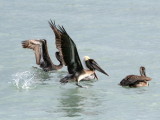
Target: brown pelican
x=71 y=59
x=136 y=80
x=41 y=53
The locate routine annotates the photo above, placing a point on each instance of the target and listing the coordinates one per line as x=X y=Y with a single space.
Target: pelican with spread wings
x=70 y=58
x=41 y=53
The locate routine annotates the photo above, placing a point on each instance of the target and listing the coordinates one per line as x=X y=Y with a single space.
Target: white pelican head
x=86 y=58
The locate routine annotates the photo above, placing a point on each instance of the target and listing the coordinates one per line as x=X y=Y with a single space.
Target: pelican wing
x=34 y=45
x=133 y=79
x=58 y=35
x=93 y=65
x=55 y=30
x=139 y=78
x=69 y=52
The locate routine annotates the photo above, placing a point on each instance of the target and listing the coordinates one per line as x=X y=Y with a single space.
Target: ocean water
x=120 y=35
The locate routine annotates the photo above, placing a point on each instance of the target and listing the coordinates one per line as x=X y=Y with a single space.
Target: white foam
x=23 y=80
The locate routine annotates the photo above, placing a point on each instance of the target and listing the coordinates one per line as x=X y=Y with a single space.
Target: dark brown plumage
x=136 y=80
x=41 y=54
x=70 y=56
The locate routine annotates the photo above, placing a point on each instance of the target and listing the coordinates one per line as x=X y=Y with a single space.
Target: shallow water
x=120 y=35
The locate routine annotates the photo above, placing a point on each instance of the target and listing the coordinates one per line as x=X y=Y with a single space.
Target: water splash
x=30 y=79
x=24 y=80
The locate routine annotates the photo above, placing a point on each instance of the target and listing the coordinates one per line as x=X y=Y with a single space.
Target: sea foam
x=23 y=80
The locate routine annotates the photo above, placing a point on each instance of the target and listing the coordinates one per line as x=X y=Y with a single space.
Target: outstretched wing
x=34 y=45
x=93 y=65
x=58 y=35
x=69 y=52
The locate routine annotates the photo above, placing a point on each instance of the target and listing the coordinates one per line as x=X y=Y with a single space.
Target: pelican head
x=142 y=71
x=92 y=65
x=86 y=58
x=44 y=40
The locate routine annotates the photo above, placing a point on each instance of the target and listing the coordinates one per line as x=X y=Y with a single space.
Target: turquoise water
x=120 y=35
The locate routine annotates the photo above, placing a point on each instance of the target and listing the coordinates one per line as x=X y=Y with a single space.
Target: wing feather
x=133 y=79
x=58 y=41
x=34 y=45
x=69 y=52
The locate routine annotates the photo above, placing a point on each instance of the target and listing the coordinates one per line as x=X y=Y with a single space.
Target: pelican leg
x=35 y=67
x=95 y=76
x=67 y=78
x=64 y=80
x=77 y=83
x=47 y=69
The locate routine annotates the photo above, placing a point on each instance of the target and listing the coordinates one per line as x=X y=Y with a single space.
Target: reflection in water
x=77 y=102
x=142 y=90
x=71 y=102
x=139 y=90
x=62 y=74
x=41 y=75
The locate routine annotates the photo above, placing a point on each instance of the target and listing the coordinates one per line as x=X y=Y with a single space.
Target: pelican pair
x=67 y=55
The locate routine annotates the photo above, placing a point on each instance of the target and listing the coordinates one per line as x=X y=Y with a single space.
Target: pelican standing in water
x=136 y=80
x=71 y=59
x=41 y=53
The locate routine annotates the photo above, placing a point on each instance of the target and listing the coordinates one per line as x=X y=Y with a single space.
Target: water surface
x=120 y=35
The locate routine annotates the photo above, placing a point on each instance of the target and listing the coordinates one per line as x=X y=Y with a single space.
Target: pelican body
x=70 y=58
x=41 y=54
x=136 y=80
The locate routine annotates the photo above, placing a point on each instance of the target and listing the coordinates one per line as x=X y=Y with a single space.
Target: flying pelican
x=136 y=80
x=41 y=53
x=70 y=58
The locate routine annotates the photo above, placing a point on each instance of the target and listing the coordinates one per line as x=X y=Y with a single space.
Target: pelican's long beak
x=92 y=65
x=98 y=68
x=102 y=71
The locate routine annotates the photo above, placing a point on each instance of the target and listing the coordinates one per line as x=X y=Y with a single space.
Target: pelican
x=70 y=58
x=136 y=80
x=41 y=53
